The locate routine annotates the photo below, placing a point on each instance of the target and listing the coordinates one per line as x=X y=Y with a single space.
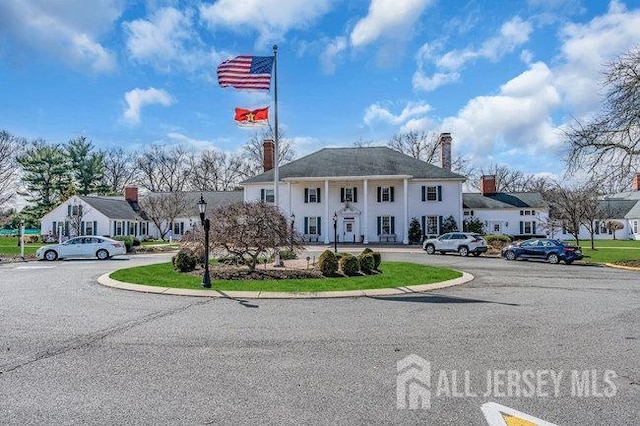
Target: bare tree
x=249 y=230
x=164 y=169
x=213 y=170
x=609 y=144
x=163 y=208
x=8 y=147
x=254 y=151
x=592 y=210
x=421 y=145
x=511 y=180
x=568 y=205
x=613 y=226
x=119 y=170
x=360 y=143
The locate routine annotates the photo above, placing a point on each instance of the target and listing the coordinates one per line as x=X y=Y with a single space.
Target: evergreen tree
x=46 y=175
x=449 y=225
x=88 y=166
x=415 y=232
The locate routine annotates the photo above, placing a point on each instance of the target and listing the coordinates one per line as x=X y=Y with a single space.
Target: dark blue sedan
x=547 y=249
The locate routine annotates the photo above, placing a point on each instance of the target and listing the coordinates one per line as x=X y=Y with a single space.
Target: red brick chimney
x=445 y=151
x=636 y=182
x=131 y=194
x=268 y=159
x=488 y=184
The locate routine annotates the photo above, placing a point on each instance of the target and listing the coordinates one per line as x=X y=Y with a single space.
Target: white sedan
x=100 y=247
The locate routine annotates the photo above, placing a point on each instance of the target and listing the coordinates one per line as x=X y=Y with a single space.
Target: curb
x=105 y=280
x=628 y=268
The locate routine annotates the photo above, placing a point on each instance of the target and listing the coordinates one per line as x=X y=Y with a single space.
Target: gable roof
x=119 y=208
x=113 y=207
x=356 y=162
x=503 y=200
x=618 y=209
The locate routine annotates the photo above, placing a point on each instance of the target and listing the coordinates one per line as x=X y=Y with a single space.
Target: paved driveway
x=558 y=342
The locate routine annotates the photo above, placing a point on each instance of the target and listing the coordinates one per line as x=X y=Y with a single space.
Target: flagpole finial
x=275 y=47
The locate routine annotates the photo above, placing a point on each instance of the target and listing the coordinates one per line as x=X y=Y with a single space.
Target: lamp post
x=293 y=220
x=202 y=207
x=335 y=232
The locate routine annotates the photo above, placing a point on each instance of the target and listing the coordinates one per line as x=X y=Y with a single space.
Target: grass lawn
x=394 y=274
x=9 y=246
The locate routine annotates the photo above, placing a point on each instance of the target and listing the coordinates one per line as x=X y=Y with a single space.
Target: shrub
x=230 y=260
x=128 y=242
x=184 y=261
x=377 y=259
x=136 y=242
x=31 y=238
x=349 y=264
x=288 y=255
x=497 y=241
x=367 y=263
x=328 y=263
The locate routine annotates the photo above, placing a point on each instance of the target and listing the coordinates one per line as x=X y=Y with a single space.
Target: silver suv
x=461 y=242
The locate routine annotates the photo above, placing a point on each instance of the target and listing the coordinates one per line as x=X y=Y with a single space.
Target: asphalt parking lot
x=73 y=351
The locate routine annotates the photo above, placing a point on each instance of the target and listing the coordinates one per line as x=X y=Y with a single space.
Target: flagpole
x=276 y=173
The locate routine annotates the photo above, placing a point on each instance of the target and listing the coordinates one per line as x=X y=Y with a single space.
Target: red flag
x=250 y=118
x=246 y=72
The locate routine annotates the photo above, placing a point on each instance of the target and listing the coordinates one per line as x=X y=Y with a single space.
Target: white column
x=290 y=201
x=328 y=220
x=365 y=212
x=405 y=239
x=460 y=212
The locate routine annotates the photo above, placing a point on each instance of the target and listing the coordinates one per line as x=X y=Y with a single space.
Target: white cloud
x=48 y=27
x=138 y=98
x=588 y=47
x=513 y=34
x=332 y=53
x=166 y=40
x=518 y=118
x=387 y=17
x=272 y=19
x=377 y=113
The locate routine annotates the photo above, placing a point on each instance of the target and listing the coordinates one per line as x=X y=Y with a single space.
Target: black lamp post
x=293 y=220
x=335 y=232
x=202 y=207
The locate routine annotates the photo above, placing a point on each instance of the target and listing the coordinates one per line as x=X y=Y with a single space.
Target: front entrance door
x=348 y=230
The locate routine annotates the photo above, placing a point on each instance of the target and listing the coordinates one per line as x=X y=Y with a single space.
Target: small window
x=313 y=195
x=348 y=194
x=432 y=193
x=386 y=225
x=386 y=194
x=313 y=225
x=268 y=196
x=635 y=226
x=432 y=225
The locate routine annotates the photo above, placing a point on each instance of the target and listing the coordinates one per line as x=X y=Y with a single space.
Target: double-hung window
x=312 y=195
x=267 y=195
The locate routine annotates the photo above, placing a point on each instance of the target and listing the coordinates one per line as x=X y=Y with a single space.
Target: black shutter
x=379 y=190
x=342 y=195
x=306 y=225
x=379 y=225
x=424 y=193
x=306 y=195
x=393 y=225
x=69 y=210
x=55 y=230
x=81 y=228
x=597 y=227
x=521 y=213
x=262 y=195
x=391 y=194
x=95 y=227
x=355 y=194
x=114 y=227
x=319 y=225
x=439 y=225
x=439 y=192
x=424 y=225
x=318 y=195
x=521 y=227
x=534 y=228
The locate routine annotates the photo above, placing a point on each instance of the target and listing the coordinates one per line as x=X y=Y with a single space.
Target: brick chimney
x=268 y=159
x=131 y=194
x=636 y=182
x=488 y=184
x=445 y=151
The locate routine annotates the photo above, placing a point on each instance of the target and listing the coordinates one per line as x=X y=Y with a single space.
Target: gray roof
x=119 y=208
x=634 y=212
x=503 y=200
x=628 y=195
x=357 y=161
x=618 y=209
x=112 y=207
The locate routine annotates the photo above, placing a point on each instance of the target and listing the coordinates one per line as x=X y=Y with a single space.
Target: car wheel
x=50 y=255
x=430 y=249
x=553 y=258
x=510 y=255
x=463 y=251
x=102 y=254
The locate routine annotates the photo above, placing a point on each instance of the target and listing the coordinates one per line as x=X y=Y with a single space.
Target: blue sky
x=503 y=76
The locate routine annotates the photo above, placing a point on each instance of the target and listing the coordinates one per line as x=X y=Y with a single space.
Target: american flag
x=246 y=72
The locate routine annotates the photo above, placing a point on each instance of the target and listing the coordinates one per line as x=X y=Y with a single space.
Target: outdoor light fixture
x=293 y=220
x=335 y=232
x=202 y=208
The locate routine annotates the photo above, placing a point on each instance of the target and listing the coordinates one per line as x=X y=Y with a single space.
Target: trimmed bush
x=367 y=250
x=497 y=241
x=377 y=259
x=128 y=242
x=288 y=255
x=367 y=263
x=349 y=264
x=328 y=263
x=136 y=242
x=184 y=261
